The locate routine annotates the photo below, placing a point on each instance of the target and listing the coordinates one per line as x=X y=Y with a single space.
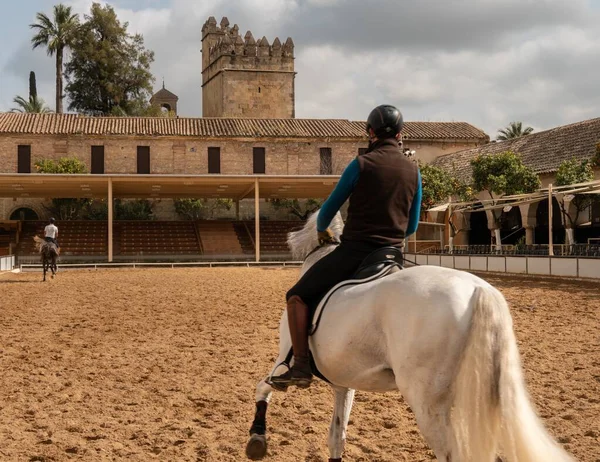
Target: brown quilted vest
x=379 y=207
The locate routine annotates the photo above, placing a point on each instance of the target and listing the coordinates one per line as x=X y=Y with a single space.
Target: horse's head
x=305 y=240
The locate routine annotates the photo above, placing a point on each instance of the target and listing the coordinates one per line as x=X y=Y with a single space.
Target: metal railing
x=560 y=250
x=7 y=263
x=173 y=265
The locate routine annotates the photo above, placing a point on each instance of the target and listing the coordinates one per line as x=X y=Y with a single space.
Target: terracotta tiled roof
x=542 y=151
x=74 y=124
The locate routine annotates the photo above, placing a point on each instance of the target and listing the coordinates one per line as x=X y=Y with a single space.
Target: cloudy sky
x=486 y=62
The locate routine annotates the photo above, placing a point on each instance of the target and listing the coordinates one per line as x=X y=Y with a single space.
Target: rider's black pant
x=52 y=239
x=330 y=270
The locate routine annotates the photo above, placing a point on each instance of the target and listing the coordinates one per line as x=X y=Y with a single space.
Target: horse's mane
x=305 y=240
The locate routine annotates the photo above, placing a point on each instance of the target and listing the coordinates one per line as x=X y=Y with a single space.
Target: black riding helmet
x=52 y=220
x=386 y=121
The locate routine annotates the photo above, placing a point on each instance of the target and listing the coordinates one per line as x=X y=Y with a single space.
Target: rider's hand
x=326 y=237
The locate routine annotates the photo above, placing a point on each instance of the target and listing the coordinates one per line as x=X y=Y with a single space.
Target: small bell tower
x=165 y=99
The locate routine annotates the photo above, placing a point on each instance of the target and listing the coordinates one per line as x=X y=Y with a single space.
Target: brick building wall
x=428 y=151
x=183 y=155
x=181 y=145
x=177 y=156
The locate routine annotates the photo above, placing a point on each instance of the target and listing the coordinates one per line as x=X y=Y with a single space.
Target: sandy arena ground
x=161 y=364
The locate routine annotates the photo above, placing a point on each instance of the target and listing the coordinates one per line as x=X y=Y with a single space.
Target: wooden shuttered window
x=24 y=159
x=326 y=162
x=143 y=160
x=97 y=160
x=258 y=160
x=214 y=160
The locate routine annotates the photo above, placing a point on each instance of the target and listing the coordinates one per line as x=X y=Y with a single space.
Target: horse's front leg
x=44 y=268
x=342 y=407
x=256 y=449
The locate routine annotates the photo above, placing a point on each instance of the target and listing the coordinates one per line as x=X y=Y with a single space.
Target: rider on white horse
x=51 y=233
x=384 y=188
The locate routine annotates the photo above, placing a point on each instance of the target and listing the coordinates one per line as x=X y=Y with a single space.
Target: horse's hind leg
x=432 y=413
x=344 y=398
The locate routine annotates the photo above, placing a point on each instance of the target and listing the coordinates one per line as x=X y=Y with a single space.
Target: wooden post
x=256 y=220
x=237 y=210
x=550 y=243
x=110 y=221
x=450 y=231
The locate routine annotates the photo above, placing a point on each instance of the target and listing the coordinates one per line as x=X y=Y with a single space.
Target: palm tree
x=56 y=36
x=514 y=130
x=34 y=105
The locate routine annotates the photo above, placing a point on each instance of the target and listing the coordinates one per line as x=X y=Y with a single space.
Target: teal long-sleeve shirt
x=344 y=189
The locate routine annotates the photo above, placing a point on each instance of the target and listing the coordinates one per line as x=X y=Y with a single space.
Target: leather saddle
x=49 y=247
x=378 y=261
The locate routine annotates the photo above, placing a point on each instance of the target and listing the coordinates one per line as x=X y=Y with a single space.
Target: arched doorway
x=479 y=233
x=24 y=214
x=511 y=226
x=541 y=223
x=590 y=230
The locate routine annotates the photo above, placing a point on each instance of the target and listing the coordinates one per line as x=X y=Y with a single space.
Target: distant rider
x=51 y=233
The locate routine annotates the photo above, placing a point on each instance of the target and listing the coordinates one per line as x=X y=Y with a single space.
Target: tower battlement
x=260 y=67
x=226 y=42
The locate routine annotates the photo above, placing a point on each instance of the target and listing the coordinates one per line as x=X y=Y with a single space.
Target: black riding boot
x=300 y=374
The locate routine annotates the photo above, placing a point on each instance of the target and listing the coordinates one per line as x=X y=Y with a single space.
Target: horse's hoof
x=256 y=449
x=277 y=387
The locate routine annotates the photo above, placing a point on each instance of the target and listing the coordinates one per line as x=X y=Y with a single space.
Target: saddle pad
x=349 y=282
x=319 y=311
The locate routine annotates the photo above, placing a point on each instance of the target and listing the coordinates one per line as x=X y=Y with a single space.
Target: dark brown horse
x=49 y=253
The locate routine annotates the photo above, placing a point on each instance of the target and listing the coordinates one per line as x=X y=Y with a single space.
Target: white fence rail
x=97 y=266
x=539 y=266
x=7 y=263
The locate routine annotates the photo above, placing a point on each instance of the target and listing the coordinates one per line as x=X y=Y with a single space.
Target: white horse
x=443 y=338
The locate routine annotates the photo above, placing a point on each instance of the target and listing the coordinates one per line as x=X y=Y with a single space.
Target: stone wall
x=39 y=206
x=428 y=151
x=242 y=77
x=256 y=94
x=183 y=155
x=187 y=155
x=212 y=97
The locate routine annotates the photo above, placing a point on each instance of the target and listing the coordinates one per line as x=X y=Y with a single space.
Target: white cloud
x=485 y=62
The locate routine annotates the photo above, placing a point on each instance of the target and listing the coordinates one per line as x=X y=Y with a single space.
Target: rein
x=410 y=261
x=320 y=246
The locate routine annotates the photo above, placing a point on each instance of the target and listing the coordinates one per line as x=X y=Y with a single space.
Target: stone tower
x=165 y=99
x=243 y=78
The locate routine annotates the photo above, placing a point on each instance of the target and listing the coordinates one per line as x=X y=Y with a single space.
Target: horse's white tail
x=39 y=242
x=492 y=412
